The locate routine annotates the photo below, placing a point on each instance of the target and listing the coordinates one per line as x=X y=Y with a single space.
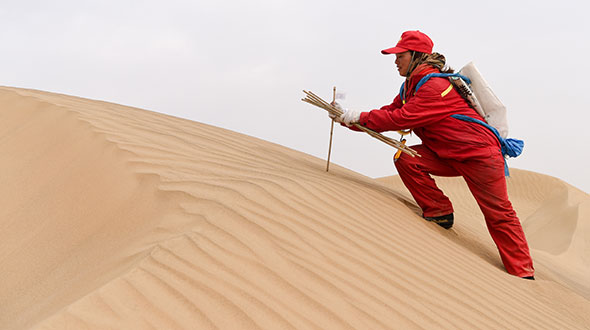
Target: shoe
x=529 y=277
x=445 y=221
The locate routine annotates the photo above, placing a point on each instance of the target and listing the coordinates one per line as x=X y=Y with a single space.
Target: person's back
x=428 y=111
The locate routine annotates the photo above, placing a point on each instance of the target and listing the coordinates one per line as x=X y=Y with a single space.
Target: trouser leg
x=415 y=174
x=485 y=178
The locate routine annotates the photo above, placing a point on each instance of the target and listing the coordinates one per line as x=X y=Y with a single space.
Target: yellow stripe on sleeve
x=446 y=91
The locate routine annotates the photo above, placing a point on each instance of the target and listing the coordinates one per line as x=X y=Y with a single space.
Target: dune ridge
x=119 y=217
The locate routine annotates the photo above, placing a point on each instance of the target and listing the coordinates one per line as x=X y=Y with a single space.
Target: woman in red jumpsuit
x=450 y=147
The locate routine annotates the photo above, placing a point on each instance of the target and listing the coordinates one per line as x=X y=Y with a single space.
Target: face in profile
x=402 y=61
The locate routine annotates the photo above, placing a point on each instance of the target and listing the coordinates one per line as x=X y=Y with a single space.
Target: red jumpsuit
x=453 y=147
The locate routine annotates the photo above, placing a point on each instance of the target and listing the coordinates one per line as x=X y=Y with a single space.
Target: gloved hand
x=350 y=117
x=339 y=107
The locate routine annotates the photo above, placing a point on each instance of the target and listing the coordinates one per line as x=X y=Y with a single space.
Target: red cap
x=411 y=40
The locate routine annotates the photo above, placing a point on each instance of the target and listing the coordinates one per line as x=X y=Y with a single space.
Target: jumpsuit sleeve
x=396 y=104
x=424 y=108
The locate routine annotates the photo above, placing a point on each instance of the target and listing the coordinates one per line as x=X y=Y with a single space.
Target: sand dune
x=120 y=218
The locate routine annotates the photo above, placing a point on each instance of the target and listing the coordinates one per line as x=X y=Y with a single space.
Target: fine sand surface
x=119 y=218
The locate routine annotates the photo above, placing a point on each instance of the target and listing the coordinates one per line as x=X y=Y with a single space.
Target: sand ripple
x=121 y=218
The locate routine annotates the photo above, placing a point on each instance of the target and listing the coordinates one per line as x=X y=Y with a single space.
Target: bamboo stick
x=331 y=133
x=315 y=100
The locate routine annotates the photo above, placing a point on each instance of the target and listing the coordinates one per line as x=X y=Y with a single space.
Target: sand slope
x=121 y=218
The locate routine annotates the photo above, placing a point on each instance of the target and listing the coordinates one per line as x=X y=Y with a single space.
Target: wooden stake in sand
x=313 y=99
x=331 y=133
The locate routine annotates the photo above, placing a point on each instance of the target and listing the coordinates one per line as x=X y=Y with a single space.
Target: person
x=450 y=147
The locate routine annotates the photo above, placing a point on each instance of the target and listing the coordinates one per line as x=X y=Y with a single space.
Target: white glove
x=350 y=117
x=339 y=107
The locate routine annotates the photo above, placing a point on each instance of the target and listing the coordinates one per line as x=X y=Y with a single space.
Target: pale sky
x=242 y=65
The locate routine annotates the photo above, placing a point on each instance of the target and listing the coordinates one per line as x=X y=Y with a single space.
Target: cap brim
x=393 y=50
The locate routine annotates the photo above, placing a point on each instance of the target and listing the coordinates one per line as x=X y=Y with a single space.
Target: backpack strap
x=427 y=77
x=402 y=91
x=441 y=75
x=510 y=147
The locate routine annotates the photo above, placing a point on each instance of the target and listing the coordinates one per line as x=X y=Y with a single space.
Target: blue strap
x=510 y=147
x=401 y=91
x=441 y=75
x=431 y=75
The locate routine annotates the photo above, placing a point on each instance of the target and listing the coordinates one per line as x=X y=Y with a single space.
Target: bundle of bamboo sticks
x=313 y=99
